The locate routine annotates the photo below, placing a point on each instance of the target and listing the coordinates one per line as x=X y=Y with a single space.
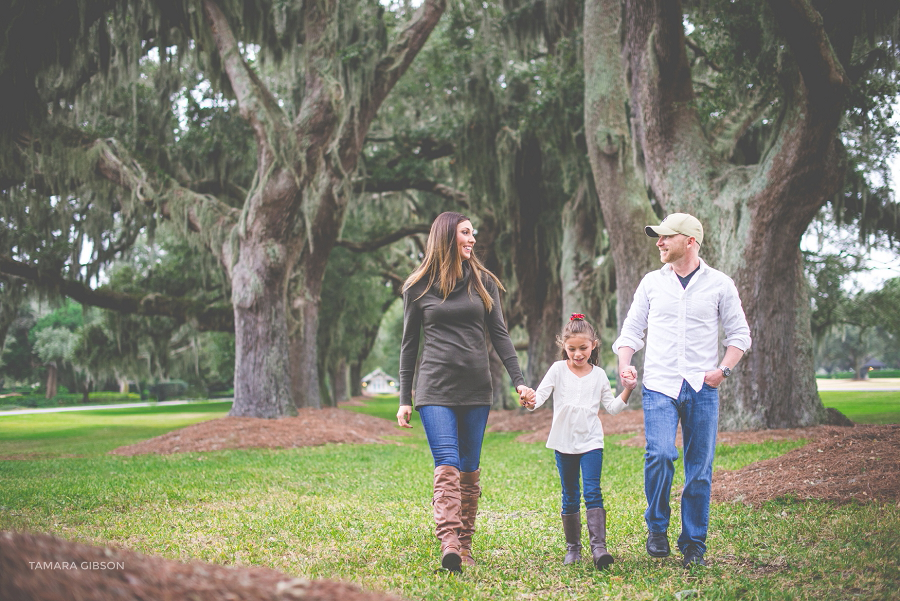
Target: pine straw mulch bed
x=839 y=464
x=40 y=567
x=311 y=427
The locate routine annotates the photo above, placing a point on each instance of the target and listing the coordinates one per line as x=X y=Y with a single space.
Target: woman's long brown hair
x=443 y=264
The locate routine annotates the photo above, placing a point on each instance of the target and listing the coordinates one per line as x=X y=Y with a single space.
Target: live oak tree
x=308 y=79
x=755 y=169
x=739 y=122
x=513 y=103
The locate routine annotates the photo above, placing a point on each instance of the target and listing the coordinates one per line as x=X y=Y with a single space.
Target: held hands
x=526 y=396
x=404 y=414
x=629 y=377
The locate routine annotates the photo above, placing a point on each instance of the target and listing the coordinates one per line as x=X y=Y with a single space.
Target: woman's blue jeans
x=699 y=416
x=455 y=434
x=588 y=465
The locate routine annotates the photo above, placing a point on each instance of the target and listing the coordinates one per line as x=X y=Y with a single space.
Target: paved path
x=870 y=385
x=91 y=407
x=874 y=384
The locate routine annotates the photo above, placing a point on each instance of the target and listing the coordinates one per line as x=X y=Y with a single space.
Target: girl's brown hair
x=578 y=326
x=443 y=263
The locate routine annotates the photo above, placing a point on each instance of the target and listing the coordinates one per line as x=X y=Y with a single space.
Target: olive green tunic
x=454 y=370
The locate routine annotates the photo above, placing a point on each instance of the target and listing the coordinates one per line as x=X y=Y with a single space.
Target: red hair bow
x=576 y=316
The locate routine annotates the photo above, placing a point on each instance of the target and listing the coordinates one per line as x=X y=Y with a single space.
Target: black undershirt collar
x=684 y=280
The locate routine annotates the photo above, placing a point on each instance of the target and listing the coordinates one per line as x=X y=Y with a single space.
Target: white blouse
x=576 y=405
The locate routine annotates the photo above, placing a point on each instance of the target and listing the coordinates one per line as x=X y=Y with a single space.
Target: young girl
x=579 y=387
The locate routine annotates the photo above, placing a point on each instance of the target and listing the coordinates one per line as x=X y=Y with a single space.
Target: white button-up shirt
x=576 y=405
x=682 y=326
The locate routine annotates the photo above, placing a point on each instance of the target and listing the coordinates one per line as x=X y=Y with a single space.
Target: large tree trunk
x=585 y=284
x=776 y=387
x=618 y=180
x=753 y=217
x=338 y=377
x=534 y=252
x=487 y=243
x=619 y=183
x=262 y=384
x=52 y=381
x=356 y=378
x=314 y=151
x=306 y=297
x=501 y=397
x=12 y=291
x=304 y=370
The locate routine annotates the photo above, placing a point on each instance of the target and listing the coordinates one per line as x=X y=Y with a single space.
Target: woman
x=455 y=300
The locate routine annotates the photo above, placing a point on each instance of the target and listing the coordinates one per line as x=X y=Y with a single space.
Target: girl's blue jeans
x=455 y=434
x=699 y=416
x=588 y=465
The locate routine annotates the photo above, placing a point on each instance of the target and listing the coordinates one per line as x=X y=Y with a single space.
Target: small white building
x=378 y=382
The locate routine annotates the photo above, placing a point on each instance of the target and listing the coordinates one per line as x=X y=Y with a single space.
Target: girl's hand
x=526 y=396
x=404 y=414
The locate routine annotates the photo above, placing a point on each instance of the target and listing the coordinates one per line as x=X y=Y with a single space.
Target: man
x=681 y=307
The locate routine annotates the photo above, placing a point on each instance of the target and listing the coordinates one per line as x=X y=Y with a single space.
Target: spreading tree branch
x=666 y=128
x=700 y=52
x=427 y=148
x=206 y=318
x=875 y=57
x=729 y=130
x=217 y=188
x=422 y=228
x=255 y=102
x=398 y=185
x=396 y=280
x=802 y=26
x=396 y=61
x=201 y=212
x=114 y=164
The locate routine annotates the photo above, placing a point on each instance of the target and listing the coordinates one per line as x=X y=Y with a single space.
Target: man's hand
x=404 y=414
x=713 y=377
x=629 y=377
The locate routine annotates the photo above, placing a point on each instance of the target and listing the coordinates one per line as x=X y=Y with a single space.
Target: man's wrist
x=726 y=371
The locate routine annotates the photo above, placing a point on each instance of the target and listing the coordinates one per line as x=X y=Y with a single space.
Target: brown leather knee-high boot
x=596 y=521
x=470 y=491
x=572 y=530
x=446 y=504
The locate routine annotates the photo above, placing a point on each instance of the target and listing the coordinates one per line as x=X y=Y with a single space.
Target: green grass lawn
x=96 y=431
x=37 y=401
x=877 y=407
x=362 y=513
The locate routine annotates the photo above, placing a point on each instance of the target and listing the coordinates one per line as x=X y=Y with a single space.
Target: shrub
x=167 y=390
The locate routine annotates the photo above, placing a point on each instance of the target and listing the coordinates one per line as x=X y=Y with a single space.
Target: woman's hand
x=404 y=414
x=526 y=396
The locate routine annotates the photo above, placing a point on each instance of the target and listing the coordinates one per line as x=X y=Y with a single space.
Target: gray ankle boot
x=572 y=529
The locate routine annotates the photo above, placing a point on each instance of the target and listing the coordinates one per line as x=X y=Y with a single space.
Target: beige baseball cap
x=677 y=223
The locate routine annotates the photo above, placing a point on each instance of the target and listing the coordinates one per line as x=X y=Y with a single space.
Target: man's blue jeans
x=455 y=434
x=699 y=415
x=589 y=465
